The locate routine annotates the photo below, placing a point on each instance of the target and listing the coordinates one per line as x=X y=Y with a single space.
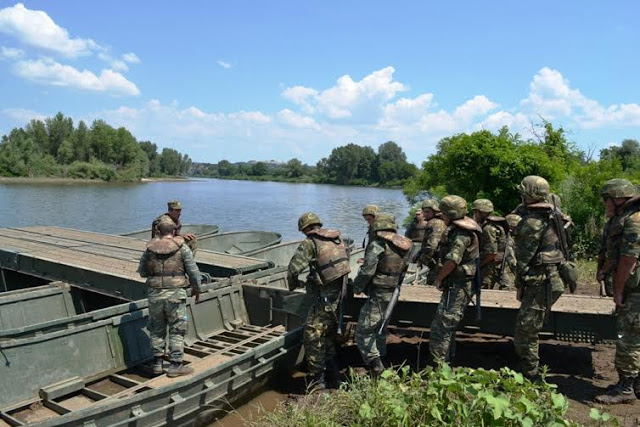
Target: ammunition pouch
x=569 y=275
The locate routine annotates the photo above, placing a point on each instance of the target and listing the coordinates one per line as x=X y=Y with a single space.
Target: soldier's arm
x=459 y=244
x=142 y=266
x=629 y=253
x=368 y=267
x=409 y=230
x=191 y=268
x=527 y=242
x=300 y=260
x=430 y=246
x=489 y=246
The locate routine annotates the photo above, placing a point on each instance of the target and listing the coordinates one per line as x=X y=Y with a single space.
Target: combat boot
x=318 y=383
x=332 y=374
x=620 y=393
x=178 y=369
x=157 y=366
x=376 y=367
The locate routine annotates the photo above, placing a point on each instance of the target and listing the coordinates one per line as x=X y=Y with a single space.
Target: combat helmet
x=483 y=205
x=370 y=210
x=307 y=219
x=535 y=187
x=384 y=222
x=454 y=207
x=430 y=204
x=618 y=188
x=513 y=220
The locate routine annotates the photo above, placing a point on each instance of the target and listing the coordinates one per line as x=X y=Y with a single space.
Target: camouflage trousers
x=627 y=359
x=370 y=343
x=491 y=277
x=319 y=335
x=453 y=302
x=168 y=308
x=533 y=312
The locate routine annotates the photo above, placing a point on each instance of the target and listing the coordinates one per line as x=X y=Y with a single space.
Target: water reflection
x=233 y=205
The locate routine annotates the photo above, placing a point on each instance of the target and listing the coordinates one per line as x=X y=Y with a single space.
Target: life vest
x=332 y=259
x=418 y=231
x=467 y=266
x=165 y=266
x=615 y=227
x=394 y=260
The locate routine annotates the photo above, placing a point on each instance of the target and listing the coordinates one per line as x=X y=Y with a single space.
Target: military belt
x=168 y=274
x=333 y=263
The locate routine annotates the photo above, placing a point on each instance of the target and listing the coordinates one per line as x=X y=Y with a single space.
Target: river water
x=232 y=205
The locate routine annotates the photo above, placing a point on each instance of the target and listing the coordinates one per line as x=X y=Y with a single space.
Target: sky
x=255 y=80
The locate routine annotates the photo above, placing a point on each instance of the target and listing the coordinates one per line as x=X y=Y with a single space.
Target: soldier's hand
x=618 y=298
x=519 y=294
x=196 y=295
x=189 y=236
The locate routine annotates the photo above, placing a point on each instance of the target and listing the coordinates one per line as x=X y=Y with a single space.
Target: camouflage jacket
x=462 y=247
x=190 y=267
x=432 y=237
x=303 y=258
x=493 y=240
x=622 y=238
x=375 y=250
x=417 y=230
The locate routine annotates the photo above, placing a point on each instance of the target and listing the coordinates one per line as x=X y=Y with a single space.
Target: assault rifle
x=392 y=303
x=563 y=239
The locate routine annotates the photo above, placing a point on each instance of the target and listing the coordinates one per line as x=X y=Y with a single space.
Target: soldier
x=166 y=263
x=492 y=244
x=386 y=259
x=622 y=206
x=538 y=258
x=605 y=278
x=508 y=275
x=326 y=256
x=458 y=255
x=416 y=232
x=432 y=236
x=369 y=213
x=174 y=210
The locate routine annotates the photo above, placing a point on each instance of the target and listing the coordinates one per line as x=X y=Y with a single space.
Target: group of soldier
x=462 y=254
x=528 y=249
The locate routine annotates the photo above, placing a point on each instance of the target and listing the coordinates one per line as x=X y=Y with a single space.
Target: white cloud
x=36 y=28
x=49 y=72
x=11 y=53
x=131 y=58
x=293 y=119
x=21 y=116
x=224 y=64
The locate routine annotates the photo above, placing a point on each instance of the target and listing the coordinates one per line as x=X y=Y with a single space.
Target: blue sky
x=274 y=80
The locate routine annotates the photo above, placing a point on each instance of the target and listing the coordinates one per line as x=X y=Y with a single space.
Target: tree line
x=55 y=147
x=490 y=165
x=350 y=164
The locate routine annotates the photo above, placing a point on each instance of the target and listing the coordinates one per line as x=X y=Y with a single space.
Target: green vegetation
x=54 y=147
x=443 y=396
x=484 y=164
x=347 y=165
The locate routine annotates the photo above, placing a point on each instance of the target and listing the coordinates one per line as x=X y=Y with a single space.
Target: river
x=232 y=205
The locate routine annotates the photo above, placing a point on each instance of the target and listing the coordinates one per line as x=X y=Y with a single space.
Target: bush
x=443 y=396
x=94 y=170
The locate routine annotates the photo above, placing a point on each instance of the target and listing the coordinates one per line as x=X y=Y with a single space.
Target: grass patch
x=442 y=396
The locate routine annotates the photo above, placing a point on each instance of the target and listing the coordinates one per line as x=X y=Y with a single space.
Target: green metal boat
x=239 y=242
x=200 y=230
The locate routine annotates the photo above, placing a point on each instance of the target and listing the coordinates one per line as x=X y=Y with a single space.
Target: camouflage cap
x=174 y=204
x=370 y=210
x=454 y=207
x=513 y=220
x=619 y=188
x=384 y=222
x=307 y=219
x=430 y=204
x=483 y=205
x=535 y=187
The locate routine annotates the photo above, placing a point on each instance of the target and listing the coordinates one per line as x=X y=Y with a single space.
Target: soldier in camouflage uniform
x=508 y=277
x=493 y=243
x=386 y=259
x=324 y=253
x=605 y=277
x=369 y=213
x=432 y=236
x=169 y=267
x=458 y=253
x=174 y=210
x=538 y=258
x=622 y=205
x=416 y=231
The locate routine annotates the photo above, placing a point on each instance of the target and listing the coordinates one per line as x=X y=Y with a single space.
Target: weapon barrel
x=392 y=303
x=478 y=286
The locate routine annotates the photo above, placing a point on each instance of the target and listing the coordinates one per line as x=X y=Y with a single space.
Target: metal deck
x=75 y=256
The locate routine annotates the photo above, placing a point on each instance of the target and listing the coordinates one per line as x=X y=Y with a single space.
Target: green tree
x=259 y=169
x=225 y=168
x=293 y=168
x=628 y=154
x=59 y=129
x=350 y=164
